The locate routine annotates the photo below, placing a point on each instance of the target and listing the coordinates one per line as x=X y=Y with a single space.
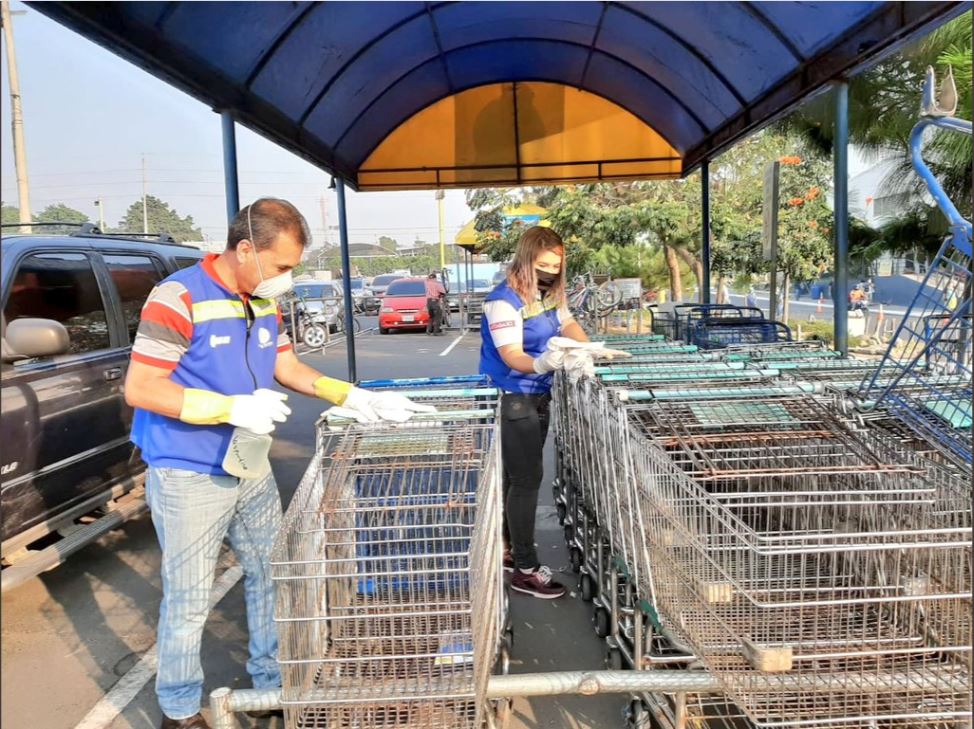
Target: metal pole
x=17 y=120
x=840 y=159
x=145 y=208
x=439 y=213
x=230 y=181
x=101 y=214
x=346 y=277
x=705 y=227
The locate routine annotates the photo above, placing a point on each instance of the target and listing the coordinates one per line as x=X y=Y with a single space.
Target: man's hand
x=366 y=406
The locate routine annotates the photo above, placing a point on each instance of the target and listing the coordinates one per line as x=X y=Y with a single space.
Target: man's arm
x=150 y=388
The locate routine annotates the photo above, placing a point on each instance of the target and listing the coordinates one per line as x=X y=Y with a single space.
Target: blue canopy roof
x=332 y=80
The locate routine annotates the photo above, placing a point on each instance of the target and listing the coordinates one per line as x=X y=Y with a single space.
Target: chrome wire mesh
x=819 y=565
x=389 y=583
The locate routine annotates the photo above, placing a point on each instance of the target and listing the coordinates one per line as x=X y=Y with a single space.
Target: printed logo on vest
x=264 y=337
x=216 y=341
x=500 y=325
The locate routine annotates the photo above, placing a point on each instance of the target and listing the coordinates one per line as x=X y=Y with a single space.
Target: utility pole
x=324 y=221
x=145 y=208
x=101 y=214
x=439 y=211
x=17 y=118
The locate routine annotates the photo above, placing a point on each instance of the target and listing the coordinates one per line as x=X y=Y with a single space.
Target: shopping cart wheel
x=501 y=714
x=575 y=557
x=586 y=586
x=613 y=659
x=562 y=512
x=602 y=621
x=637 y=715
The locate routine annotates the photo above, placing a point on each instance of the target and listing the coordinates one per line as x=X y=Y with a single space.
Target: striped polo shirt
x=210 y=338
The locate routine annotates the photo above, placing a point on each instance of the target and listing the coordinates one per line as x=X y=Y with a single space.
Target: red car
x=404 y=306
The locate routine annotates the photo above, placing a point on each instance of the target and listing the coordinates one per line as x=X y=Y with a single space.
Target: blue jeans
x=192 y=513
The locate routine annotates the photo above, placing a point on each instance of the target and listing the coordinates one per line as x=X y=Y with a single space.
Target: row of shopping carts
x=715 y=326
x=390 y=598
x=737 y=512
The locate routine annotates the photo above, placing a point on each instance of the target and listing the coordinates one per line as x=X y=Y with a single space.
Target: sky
x=91 y=117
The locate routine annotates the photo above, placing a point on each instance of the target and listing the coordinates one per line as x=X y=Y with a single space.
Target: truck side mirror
x=26 y=338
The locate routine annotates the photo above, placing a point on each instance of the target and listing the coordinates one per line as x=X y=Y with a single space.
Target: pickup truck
x=70 y=310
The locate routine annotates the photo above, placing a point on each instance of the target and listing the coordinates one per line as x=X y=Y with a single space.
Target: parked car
x=404 y=306
x=482 y=286
x=365 y=301
x=71 y=307
x=321 y=301
x=381 y=283
x=499 y=277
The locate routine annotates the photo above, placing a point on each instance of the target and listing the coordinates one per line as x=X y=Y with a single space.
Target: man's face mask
x=268 y=288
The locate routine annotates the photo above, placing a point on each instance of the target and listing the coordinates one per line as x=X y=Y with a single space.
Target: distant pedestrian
x=435 y=294
x=752 y=298
x=723 y=294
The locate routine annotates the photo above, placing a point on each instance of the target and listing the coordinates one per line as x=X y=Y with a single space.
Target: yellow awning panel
x=467 y=236
x=513 y=134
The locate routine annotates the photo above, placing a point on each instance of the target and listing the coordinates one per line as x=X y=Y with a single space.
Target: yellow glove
x=332 y=390
x=257 y=412
x=202 y=407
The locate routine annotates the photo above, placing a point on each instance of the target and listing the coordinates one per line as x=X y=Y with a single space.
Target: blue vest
x=540 y=325
x=225 y=355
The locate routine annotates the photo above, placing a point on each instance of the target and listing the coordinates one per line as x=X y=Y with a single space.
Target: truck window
x=134 y=277
x=61 y=286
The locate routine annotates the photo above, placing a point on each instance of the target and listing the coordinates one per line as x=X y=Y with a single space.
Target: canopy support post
x=346 y=278
x=230 y=181
x=840 y=158
x=705 y=227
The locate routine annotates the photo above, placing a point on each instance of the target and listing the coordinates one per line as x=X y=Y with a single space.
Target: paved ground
x=77 y=641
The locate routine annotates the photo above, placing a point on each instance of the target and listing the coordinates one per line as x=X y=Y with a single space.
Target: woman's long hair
x=521 y=276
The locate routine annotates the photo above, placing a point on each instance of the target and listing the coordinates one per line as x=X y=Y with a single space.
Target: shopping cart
x=390 y=598
x=934 y=337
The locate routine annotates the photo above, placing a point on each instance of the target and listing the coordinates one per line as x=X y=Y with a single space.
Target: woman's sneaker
x=508 y=561
x=537 y=583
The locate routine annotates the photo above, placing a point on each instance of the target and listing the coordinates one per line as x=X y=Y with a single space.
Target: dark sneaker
x=196 y=721
x=508 y=561
x=537 y=583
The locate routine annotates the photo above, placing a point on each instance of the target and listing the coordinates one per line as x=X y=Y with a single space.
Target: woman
x=521 y=315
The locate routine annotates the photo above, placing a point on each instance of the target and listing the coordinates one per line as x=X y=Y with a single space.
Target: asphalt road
x=77 y=641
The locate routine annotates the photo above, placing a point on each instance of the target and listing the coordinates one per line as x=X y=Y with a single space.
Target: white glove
x=578 y=364
x=553 y=358
x=258 y=412
x=366 y=406
x=597 y=350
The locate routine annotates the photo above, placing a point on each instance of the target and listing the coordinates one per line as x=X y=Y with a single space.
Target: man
x=435 y=293
x=209 y=346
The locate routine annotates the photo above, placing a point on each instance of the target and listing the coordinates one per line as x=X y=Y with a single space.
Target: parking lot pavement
x=77 y=641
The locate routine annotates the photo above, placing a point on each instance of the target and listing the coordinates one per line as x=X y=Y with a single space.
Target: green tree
x=884 y=106
x=388 y=243
x=161 y=218
x=60 y=213
x=10 y=214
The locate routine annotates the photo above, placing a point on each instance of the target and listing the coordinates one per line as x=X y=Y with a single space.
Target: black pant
x=524 y=427
x=436 y=316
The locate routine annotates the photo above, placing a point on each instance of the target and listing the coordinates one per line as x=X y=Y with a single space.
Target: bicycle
x=589 y=302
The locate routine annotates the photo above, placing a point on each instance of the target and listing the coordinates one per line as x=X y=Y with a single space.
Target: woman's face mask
x=545 y=279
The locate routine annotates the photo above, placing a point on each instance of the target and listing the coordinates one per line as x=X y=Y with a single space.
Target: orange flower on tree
x=813 y=224
x=796 y=201
x=813 y=193
x=790 y=160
